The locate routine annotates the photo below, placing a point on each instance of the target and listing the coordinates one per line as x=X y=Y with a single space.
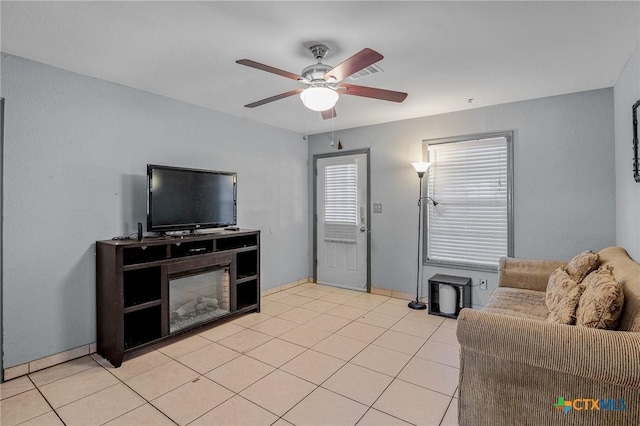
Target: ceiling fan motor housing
x=314 y=73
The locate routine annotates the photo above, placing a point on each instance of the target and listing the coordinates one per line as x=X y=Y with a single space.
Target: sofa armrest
x=526 y=273
x=602 y=355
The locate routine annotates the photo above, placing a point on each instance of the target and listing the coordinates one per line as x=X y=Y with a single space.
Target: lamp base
x=414 y=304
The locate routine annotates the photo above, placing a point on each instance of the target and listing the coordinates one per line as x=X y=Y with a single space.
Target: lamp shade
x=319 y=98
x=440 y=209
x=421 y=167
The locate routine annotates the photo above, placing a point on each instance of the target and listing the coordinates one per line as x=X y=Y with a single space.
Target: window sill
x=465 y=266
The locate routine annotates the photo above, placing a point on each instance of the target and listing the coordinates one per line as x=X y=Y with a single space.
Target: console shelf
x=133 y=291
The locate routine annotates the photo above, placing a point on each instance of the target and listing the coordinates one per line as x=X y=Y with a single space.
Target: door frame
x=316 y=157
x=2 y=169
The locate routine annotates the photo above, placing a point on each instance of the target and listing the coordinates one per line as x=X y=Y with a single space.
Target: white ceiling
x=440 y=53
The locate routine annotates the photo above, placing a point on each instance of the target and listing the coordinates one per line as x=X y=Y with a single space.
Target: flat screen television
x=188 y=199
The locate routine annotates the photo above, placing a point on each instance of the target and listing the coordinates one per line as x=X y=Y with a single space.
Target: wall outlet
x=483 y=283
x=377 y=208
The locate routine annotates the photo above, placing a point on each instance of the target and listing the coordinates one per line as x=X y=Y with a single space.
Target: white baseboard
x=48 y=361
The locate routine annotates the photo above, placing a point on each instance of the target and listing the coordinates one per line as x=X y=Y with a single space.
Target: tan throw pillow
x=556 y=279
x=563 y=299
x=601 y=303
x=581 y=265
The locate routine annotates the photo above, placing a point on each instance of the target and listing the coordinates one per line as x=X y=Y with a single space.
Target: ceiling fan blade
x=267 y=68
x=357 y=62
x=274 y=98
x=372 y=92
x=329 y=114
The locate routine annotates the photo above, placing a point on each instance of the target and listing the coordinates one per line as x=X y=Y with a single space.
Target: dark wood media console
x=152 y=289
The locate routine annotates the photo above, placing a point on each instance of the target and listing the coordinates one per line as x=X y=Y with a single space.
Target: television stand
x=150 y=290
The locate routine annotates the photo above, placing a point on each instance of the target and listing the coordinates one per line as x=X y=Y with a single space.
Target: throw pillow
x=563 y=299
x=601 y=303
x=556 y=280
x=581 y=265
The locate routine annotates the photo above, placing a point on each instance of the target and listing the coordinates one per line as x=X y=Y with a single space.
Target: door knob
x=362 y=229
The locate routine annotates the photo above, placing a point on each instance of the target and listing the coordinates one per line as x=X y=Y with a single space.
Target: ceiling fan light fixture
x=319 y=98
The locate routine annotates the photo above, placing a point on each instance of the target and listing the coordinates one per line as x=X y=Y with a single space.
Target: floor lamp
x=421 y=169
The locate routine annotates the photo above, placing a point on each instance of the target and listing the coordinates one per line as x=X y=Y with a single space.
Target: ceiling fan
x=324 y=83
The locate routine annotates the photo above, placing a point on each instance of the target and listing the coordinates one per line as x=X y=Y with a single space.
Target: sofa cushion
x=518 y=302
x=558 y=279
x=602 y=301
x=565 y=298
x=581 y=265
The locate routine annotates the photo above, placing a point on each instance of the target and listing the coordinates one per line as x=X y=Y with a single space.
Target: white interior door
x=342 y=221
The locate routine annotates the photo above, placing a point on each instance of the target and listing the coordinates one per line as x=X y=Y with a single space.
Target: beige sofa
x=515 y=365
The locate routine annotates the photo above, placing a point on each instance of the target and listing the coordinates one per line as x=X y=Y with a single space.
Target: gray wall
x=75 y=155
x=564 y=193
x=75 y=152
x=627 y=92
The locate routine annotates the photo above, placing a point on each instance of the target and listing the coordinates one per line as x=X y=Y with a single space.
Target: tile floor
x=315 y=355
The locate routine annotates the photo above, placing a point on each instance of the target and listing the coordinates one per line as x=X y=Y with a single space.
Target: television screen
x=181 y=199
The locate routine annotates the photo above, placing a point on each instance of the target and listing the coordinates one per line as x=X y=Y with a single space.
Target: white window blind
x=470 y=179
x=341 y=202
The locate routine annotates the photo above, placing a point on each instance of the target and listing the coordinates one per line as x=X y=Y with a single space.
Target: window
x=341 y=202
x=472 y=178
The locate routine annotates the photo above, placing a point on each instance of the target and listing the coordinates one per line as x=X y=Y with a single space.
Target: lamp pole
x=421 y=168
